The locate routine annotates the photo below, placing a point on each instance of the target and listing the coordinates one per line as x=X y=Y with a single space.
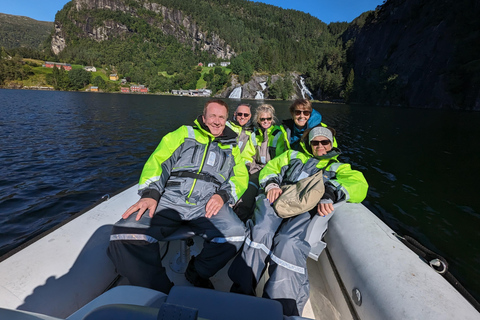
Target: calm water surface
x=62 y=151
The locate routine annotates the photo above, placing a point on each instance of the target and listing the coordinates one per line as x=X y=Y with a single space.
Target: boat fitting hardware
x=436 y=264
x=357 y=296
x=106 y=197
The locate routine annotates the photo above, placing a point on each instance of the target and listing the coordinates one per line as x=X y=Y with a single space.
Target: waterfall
x=304 y=89
x=259 y=95
x=263 y=85
x=236 y=93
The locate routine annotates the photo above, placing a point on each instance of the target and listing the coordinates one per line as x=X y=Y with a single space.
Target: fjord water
x=62 y=151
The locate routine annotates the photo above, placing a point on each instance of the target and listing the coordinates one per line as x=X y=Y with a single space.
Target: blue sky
x=326 y=10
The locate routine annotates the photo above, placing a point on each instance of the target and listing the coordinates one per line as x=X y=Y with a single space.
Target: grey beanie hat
x=320 y=131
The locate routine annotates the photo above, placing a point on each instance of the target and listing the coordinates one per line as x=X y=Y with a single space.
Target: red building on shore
x=65 y=66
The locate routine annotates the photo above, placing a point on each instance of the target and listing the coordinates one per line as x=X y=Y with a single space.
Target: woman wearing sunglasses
x=269 y=142
x=303 y=117
x=281 y=242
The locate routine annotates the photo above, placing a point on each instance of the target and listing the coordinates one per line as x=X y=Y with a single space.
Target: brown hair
x=264 y=108
x=220 y=102
x=301 y=103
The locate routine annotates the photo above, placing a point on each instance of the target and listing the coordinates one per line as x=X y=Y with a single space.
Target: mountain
x=19 y=31
x=418 y=53
x=147 y=39
x=415 y=53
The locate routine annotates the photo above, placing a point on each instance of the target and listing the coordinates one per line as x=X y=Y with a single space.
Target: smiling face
x=320 y=145
x=215 y=118
x=301 y=115
x=243 y=115
x=265 y=120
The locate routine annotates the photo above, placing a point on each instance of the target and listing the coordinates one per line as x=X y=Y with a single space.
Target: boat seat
x=167 y=311
x=127 y=294
x=179 y=262
x=219 y=305
x=189 y=303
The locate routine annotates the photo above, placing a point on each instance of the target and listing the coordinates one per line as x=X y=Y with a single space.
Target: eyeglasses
x=265 y=119
x=239 y=114
x=315 y=143
x=305 y=113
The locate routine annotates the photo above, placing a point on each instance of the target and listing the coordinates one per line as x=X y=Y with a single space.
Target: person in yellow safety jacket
x=241 y=124
x=267 y=146
x=304 y=117
x=281 y=242
x=192 y=178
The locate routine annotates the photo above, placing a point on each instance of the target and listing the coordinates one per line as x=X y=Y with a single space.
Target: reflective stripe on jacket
x=194 y=150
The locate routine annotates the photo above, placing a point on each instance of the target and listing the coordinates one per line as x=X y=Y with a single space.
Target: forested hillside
x=142 y=39
x=18 y=31
x=416 y=53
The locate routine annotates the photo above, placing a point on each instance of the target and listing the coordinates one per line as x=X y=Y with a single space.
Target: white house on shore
x=195 y=93
x=90 y=69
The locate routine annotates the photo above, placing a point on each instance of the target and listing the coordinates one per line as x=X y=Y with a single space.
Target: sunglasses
x=239 y=114
x=305 y=113
x=265 y=119
x=315 y=143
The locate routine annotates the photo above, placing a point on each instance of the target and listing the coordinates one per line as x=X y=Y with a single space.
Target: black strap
x=200 y=176
x=442 y=267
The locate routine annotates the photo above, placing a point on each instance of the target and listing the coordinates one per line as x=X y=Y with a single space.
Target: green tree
x=349 y=85
x=79 y=78
x=99 y=82
x=58 y=79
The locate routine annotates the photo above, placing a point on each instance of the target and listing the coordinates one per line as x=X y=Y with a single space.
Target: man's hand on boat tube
x=142 y=205
x=213 y=205
x=324 y=209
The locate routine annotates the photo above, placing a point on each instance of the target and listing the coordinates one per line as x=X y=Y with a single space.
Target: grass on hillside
x=202 y=83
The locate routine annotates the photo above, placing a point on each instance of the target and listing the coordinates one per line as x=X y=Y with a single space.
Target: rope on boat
x=439 y=264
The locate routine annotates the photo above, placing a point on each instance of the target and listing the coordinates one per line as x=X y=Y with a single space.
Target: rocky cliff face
x=416 y=41
x=174 y=23
x=252 y=87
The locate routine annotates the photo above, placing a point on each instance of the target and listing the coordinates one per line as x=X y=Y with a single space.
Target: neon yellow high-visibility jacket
x=190 y=165
x=245 y=141
x=275 y=143
x=341 y=181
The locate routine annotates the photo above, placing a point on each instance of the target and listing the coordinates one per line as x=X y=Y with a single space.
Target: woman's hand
x=324 y=209
x=273 y=194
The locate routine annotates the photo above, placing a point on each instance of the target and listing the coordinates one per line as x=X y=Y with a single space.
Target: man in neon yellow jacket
x=281 y=242
x=192 y=178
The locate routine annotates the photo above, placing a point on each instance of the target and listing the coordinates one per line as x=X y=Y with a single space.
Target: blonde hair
x=264 y=108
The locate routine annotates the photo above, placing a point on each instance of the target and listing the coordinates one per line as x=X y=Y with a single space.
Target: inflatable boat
x=366 y=272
